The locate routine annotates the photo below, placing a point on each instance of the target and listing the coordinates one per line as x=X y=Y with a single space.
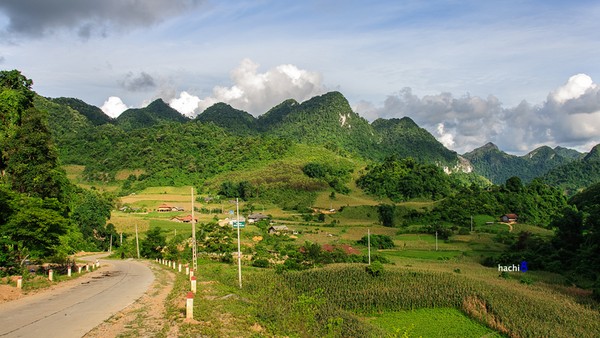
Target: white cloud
x=569 y=117
x=445 y=138
x=257 y=92
x=185 y=103
x=574 y=88
x=113 y=106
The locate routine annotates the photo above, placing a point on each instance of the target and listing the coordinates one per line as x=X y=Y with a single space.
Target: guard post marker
x=187 y=270
x=191 y=273
x=79 y=268
x=50 y=275
x=179 y=267
x=69 y=271
x=189 y=305
x=20 y=282
x=193 y=286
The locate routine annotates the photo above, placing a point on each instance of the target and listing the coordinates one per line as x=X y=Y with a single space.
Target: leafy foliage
x=152 y=246
x=404 y=179
x=378 y=241
x=535 y=203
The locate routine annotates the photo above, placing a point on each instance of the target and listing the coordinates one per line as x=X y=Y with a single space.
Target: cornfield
x=341 y=291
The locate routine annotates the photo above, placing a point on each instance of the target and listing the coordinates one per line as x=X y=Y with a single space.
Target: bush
x=375 y=269
x=261 y=263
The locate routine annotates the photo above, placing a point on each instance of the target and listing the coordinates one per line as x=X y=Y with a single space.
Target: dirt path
x=147 y=316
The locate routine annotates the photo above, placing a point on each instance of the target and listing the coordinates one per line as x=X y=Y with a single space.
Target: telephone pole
x=194 y=246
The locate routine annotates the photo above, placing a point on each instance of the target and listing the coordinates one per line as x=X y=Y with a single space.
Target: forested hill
x=108 y=145
x=135 y=140
x=498 y=166
x=155 y=113
x=576 y=175
x=328 y=120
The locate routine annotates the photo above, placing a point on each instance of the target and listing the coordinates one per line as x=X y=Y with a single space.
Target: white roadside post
x=50 y=275
x=179 y=267
x=20 y=282
x=189 y=306
x=79 y=268
x=187 y=270
x=69 y=271
x=193 y=284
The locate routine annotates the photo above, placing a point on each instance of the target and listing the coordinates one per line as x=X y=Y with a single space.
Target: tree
x=153 y=244
x=35 y=227
x=15 y=97
x=387 y=214
x=32 y=160
x=514 y=184
x=91 y=210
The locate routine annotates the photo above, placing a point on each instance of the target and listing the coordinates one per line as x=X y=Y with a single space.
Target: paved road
x=75 y=310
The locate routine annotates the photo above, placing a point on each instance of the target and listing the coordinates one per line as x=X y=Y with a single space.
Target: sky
x=519 y=74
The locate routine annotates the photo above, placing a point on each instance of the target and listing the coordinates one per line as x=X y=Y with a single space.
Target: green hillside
x=404 y=138
x=155 y=113
x=229 y=118
x=498 y=166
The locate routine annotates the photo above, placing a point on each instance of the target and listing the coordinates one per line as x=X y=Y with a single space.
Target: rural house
x=278 y=229
x=509 y=218
x=184 y=219
x=256 y=217
x=166 y=208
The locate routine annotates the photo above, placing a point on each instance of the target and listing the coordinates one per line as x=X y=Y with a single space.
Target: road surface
x=73 y=311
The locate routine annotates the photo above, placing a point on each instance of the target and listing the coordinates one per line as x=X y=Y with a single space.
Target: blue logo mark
x=523 y=267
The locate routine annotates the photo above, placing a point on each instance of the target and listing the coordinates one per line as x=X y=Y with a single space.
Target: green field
x=425 y=292
x=438 y=322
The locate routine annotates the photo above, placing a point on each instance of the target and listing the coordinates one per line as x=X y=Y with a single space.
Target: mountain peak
x=489 y=146
x=150 y=115
x=228 y=117
x=594 y=154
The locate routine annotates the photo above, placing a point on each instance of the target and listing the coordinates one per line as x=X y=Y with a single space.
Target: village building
x=253 y=218
x=184 y=219
x=166 y=208
x=509 y=218
x=278 y=230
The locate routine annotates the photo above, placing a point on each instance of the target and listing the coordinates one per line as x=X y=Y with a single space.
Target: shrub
x=375 y=269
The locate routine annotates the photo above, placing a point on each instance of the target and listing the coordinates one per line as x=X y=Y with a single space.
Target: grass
x=442 y=255
x=449 y=322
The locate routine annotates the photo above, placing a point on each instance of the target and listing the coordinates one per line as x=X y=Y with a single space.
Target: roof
x=187 y=218
x=279 y=228
x=511 y=216
x=257 y=216
x=164 y=205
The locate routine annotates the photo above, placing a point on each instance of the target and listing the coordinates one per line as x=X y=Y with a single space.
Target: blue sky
x=460 y=69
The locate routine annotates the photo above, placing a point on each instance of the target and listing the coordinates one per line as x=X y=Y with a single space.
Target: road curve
x=75 y=310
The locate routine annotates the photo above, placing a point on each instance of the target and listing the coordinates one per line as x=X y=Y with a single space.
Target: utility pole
x=194 y=246
x=436 y=245
x=237 y=206
x=369 y=243
x=471 y=223
x=137 y=242
x=121 y=238
x=110 y=247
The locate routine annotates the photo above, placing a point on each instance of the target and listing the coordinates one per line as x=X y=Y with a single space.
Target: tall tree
x=15 y=97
